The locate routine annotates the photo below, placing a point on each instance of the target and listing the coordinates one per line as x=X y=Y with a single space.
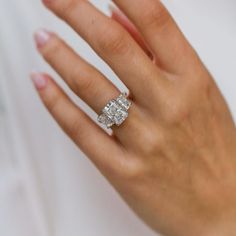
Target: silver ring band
x=116 y=111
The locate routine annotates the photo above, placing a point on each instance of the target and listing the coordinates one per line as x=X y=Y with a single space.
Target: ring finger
x=85 y=80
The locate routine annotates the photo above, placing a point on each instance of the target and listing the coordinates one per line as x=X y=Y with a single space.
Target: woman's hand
x=174 y=158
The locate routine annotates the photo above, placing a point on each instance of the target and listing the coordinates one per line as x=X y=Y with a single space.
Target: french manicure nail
x=114 y=10
x=41 y=36
x=39 y=80
x=111 y=7
x=46 y=1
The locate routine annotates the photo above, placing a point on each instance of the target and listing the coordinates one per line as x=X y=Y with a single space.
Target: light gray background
x=47 y=187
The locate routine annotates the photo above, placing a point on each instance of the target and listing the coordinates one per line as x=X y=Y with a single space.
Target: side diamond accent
x=123 y=101
x=116 y=112
x=105 y=120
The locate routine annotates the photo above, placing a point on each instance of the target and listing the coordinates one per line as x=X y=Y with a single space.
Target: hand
x=174 y=158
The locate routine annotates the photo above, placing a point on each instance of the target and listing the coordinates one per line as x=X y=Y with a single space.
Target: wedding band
x=116 y=111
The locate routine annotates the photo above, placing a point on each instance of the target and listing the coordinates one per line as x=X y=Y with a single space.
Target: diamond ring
x=116 y=111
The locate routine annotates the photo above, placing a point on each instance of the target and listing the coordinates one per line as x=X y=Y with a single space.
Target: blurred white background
x=47 y=186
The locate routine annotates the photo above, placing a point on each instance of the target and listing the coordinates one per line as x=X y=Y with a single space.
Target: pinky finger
x=100 y=147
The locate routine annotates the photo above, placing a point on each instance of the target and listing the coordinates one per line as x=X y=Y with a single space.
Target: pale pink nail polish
x=114 y=10
x=42 y=36
x=46 y=1
x=39 y=80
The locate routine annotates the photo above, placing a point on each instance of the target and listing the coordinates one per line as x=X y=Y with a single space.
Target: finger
x=112 y=43
x=119 y=16
x=86 y=81
x=92 y=140
x=160 y=31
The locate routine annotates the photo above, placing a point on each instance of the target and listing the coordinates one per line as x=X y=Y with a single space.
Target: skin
x=174 y=159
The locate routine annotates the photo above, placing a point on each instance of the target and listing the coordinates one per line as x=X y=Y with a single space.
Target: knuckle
x=152 y=142
x=74 y=127
x=184 y=101
x=61 y=7
x=203 y=84
x=113 y=40
x=82 y=83
x=200 y=81
x=68 y=6
x=54 y=47
x=156 y=15
x=53 y=102
x=131 y=170
x=175 y=112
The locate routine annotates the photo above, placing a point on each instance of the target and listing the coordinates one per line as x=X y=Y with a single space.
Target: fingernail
x=39 y=80
x=116 y=11
x=112 y=8
x=46 y=1
x=42 y=36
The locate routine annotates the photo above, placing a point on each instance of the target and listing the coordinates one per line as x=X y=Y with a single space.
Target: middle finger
x=113 y=44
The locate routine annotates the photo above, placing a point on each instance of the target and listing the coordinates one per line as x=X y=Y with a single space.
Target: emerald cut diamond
x=115 y=112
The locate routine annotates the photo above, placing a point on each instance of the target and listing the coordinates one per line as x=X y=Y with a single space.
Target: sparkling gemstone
x=120 y=117
x=112 y=108
x=123 y=101
x=115 y=112
x=105 y=120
